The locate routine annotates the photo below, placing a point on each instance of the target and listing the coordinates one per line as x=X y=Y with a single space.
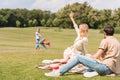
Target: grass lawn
x=18 y=57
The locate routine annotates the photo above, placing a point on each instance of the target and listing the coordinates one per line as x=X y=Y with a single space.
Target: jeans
x=37 y=43
x=88 y=62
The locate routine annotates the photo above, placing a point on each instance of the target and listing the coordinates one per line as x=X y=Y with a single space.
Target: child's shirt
x=38 y=35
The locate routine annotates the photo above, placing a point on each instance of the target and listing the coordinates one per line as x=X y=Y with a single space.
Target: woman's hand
x=71 y=15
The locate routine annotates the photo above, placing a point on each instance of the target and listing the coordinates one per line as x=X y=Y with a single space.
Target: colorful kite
x=43 y=43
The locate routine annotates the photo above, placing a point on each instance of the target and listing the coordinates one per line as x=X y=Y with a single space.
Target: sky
x=55 y=5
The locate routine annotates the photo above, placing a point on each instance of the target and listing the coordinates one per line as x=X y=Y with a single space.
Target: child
x=38 y=36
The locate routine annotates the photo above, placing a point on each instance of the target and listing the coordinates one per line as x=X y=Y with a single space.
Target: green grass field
x=18 y=57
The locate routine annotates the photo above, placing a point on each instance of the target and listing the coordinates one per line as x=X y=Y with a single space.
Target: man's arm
x=98 y=54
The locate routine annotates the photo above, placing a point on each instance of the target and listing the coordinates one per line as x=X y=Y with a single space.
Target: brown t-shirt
x=111 y=55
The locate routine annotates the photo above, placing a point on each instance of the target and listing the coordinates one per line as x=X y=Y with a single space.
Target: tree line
x=84 y=13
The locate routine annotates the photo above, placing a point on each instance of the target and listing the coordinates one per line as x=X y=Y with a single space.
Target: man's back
x=111 y=56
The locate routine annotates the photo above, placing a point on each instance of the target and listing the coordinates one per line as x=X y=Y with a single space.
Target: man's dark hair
x=109 y=30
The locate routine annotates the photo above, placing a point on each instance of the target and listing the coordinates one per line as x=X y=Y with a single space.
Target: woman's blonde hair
x=83 y=30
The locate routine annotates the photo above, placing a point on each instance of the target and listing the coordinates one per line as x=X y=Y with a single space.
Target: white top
x=79 y=46
x=38 y=35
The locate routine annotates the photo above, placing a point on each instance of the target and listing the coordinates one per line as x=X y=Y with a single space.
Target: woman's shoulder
x=75 y=26
x=85 y=39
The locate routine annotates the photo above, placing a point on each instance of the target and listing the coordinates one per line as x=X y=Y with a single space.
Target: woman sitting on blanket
x=79 y=46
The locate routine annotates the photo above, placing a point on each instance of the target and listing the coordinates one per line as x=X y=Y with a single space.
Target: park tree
x=43 y=22
x=56 y=22
x=18 y=23
x=3 y=20
x=49 y=23
x=94 y=18
x=106 y=17
x=34 y=22
x=81 y=11
x=12 y=19
x=84 y=13
x=61 y=17
x=116 y=17
x=30 y=23
x=4 y=15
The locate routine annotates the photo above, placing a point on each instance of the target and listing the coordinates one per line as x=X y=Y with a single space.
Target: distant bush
x=101 y=30
x=117 y=30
